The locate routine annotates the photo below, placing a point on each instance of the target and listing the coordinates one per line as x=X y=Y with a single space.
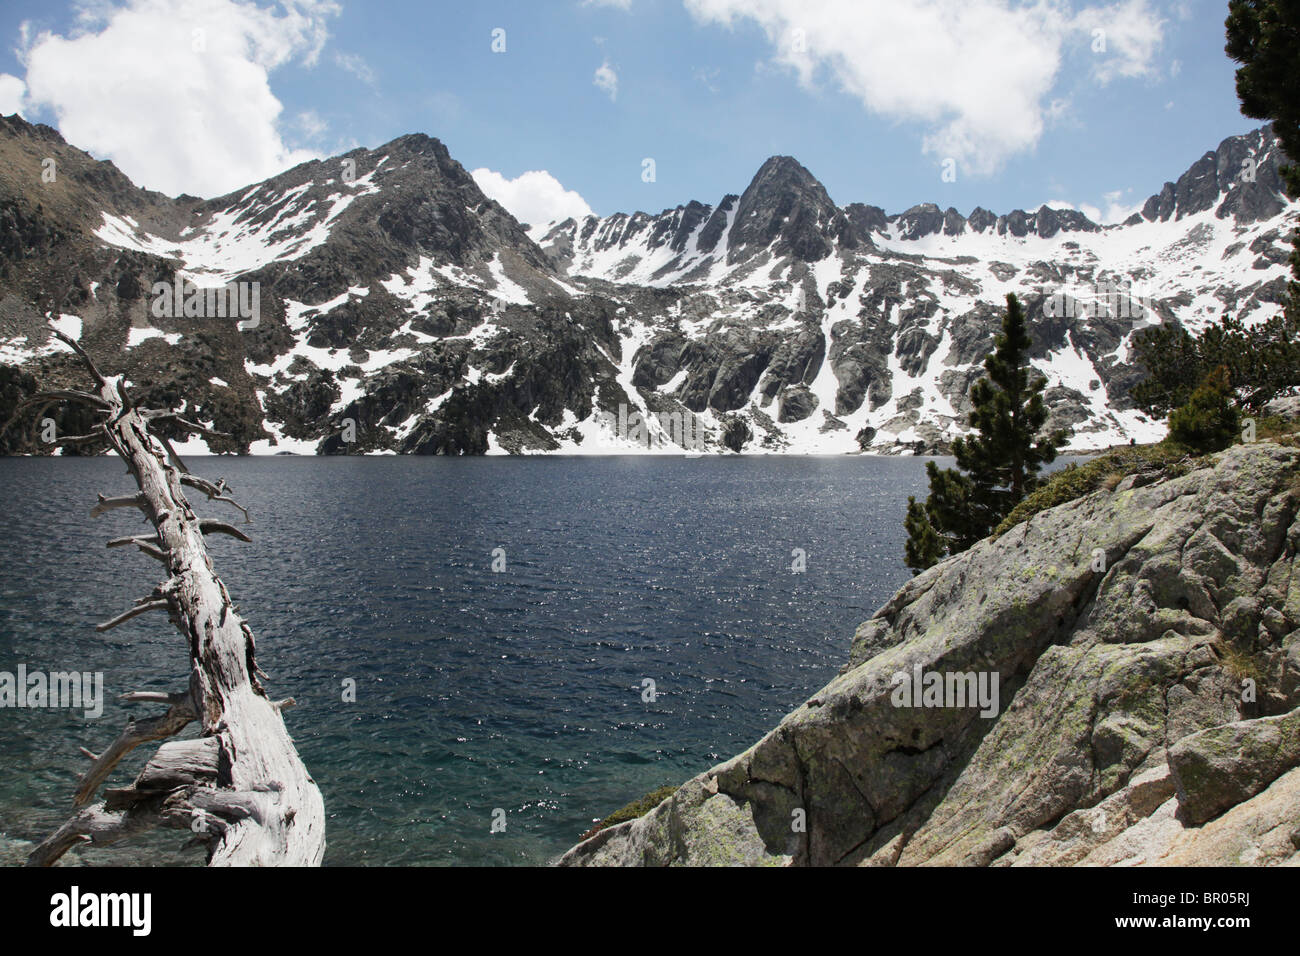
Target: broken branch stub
x=243 y=790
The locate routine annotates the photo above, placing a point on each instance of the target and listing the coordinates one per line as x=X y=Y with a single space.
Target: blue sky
x=1030 y=102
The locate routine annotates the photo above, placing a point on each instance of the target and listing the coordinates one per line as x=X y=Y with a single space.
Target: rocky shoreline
x=1145 y=639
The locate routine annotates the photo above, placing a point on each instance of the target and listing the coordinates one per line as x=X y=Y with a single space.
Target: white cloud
x=12 y=90
x=1117 y=208
x=617 y=4
x=1089 y=210
x=707 y=75
x=357 y=66
x=1056 y=111
x=978 y=74
x=311 y=125
x=177 y=92
x=535 y=197
x=1132 y=32
x=606 y=79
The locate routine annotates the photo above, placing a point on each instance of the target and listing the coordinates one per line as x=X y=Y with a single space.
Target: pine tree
x=1261 y=360
x=924 y=546
x=1208 y=422
x=1264 y=37
x=998 y=465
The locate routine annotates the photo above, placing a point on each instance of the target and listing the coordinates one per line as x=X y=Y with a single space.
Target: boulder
x=1286 y=406
x=1220 y=767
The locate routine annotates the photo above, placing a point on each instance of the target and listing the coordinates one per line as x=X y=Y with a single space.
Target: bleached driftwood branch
x=124 y=501
x=215 y=492
x=240 y=787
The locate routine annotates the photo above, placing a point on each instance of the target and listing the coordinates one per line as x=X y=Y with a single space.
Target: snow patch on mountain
x=260 y=228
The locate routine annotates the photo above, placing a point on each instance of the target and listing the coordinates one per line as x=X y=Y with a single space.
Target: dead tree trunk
x=240 y=787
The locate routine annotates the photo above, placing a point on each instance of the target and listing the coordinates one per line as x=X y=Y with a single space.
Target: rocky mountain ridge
x=402 y=311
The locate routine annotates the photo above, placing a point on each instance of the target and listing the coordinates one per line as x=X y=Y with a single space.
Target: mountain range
x=400 y=310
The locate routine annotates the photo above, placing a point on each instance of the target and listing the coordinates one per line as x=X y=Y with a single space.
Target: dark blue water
x=476 y=690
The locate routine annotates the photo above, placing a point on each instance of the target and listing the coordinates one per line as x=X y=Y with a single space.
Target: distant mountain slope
x=888 y=316
x=401 y=310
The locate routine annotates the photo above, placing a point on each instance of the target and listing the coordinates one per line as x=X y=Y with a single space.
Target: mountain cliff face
x=1131 y=662
x=401 y=310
